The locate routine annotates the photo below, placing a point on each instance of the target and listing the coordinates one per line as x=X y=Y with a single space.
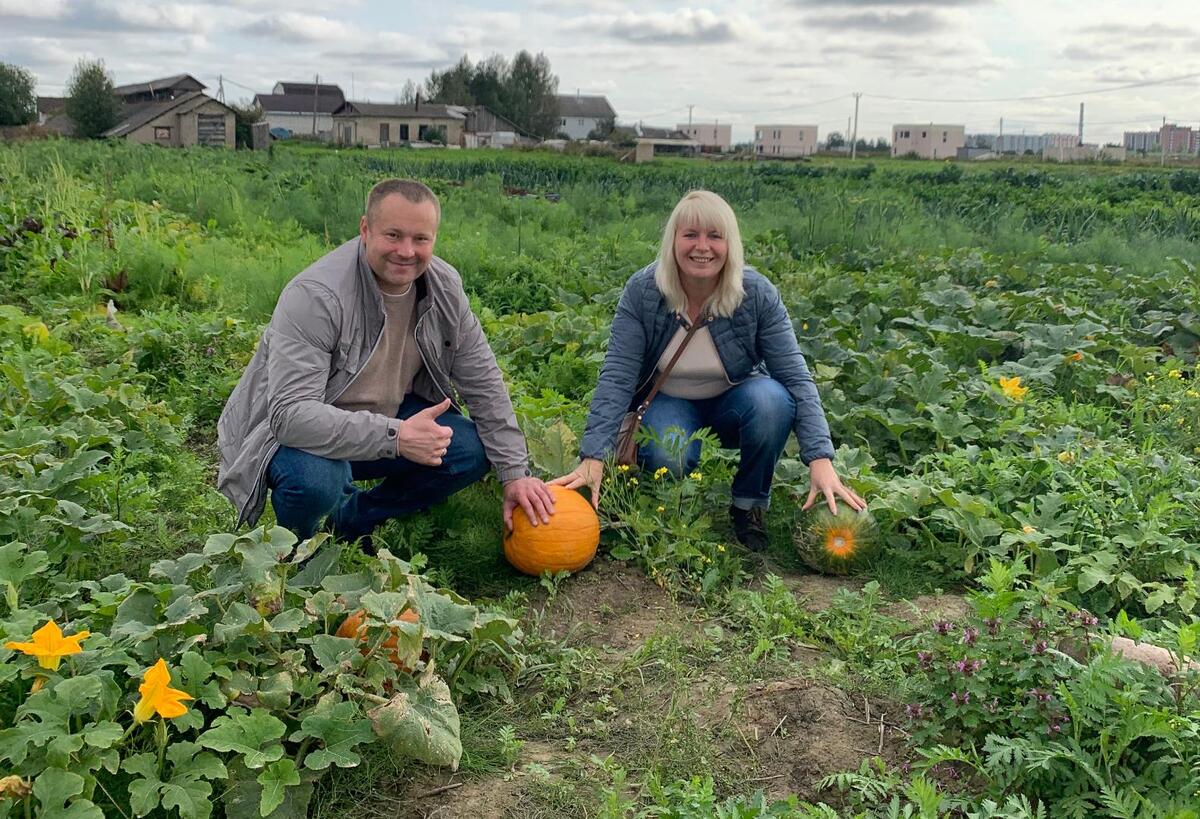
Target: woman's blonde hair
x=704 y=210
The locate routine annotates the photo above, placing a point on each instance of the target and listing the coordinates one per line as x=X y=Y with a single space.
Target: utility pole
x=1081 y=123
x=316 y=83
x=221 y=88
x=854 y=138
x=1162 y=144
x=1000 y=139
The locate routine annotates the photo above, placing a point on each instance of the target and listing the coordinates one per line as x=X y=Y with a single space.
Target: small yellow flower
x=661 y=509
x=623 y=468
x=1011 y=387
x=633 y=481
x=1029 y=530
x=1149 y=378
x=157 y=695
x=660 y=472
x=1165 y=407
x=696 y=476
x=804 y=326
x=991 y=283
x=1192 y=394
x=721 y=546
x=50 y=646
x=1066 y=457
x=1175 y=374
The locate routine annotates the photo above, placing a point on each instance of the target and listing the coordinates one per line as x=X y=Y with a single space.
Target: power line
x=1125 y=87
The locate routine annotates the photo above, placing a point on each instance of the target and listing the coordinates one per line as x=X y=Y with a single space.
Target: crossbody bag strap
x=662 y=377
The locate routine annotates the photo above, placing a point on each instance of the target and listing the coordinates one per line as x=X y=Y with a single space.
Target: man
x=358 y=376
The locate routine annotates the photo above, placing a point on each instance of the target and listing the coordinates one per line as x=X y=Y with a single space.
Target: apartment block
x=781 y=141
x=928 y=140
x=712 y=136
x=1178 y=140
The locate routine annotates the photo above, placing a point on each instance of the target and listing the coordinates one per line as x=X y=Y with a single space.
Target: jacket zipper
x=433 y=374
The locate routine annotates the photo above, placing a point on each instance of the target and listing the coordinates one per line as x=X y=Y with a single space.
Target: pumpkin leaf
x=253 y=735
x=339 y=729
x=275 y=779
x=420 y=721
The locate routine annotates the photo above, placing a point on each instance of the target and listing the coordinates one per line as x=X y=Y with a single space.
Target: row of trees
x=523 y=91
x=90 y=102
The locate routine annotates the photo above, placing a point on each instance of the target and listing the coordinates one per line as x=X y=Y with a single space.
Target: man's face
x=399 y=241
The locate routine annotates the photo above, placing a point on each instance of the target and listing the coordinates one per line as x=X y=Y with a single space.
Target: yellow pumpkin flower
x=1066 y=457
x=991 y=283
x=1075 y=356
x=50 y=646
x=157 y=695
x=1011 y=387
x=1029 y=530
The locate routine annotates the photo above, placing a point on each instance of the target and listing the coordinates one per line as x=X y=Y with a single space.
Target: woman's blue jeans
x=754 y=416
x=307 y=488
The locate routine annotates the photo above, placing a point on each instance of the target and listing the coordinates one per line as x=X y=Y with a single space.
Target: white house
x=579 y=114
x=304 y=108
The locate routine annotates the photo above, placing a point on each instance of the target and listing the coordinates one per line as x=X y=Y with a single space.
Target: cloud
x=22 y=9
x=294 y=27
x=917 y=21
x=681 y=27
x=863 y=4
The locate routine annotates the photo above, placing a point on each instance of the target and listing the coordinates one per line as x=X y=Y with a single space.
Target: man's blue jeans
x=306 y=488
x=754 y=416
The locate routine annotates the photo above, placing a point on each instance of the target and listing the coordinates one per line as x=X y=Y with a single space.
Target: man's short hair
x=410 y=189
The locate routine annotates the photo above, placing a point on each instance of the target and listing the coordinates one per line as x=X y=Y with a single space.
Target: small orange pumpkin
x=354 y=628
x=567 y=543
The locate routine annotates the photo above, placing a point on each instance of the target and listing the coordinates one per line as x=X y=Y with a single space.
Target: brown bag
x=631 y=423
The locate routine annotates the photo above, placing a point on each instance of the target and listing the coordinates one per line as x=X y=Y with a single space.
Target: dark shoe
x=749 y=527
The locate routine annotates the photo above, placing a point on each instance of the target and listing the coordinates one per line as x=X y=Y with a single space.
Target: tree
x=488 y=83
x=408 y=94
x=91 y=104
x=452 y=86
x=604 y=128
x=533 y=94
x=835 y=140
x=244 y=116
x=18 y=100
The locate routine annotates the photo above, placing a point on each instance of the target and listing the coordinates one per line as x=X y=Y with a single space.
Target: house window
x=404 y=133
x=563 y=121
x=777 y=134
x=800 y=137
x=924 y=134
x=758 y=134
x=384 y=133
x=581 y=122
x=943 y=136
x=162 y=132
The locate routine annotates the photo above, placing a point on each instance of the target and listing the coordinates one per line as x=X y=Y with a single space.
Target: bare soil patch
x=793 y=732
x=610 y=606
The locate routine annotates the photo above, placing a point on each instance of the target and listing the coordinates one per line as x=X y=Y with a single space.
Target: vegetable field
x=1008 y=359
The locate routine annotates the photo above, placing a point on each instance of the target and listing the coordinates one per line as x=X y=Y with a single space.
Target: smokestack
x=1080 y=123
x=417 y=102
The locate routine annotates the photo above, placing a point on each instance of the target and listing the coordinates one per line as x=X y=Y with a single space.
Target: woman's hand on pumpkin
x=824 y=482
x=589 y=473
x=532 y=496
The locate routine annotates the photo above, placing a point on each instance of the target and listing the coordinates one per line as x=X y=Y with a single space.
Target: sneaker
x=749 y=527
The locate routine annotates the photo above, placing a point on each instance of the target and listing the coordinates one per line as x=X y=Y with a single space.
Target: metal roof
x=579 y=105
x=381 y=109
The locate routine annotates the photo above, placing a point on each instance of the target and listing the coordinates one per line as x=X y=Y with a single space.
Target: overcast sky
x=747 y=63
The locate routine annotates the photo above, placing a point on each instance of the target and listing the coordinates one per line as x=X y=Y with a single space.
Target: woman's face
x=700 y=252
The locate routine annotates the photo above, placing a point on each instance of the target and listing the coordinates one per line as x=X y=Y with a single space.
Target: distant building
x=784 y=141
x=191 y=118
x=1021 y=143
x=381 y=125
x=304 y=109
x=483 y=128
x=928 y=140
x=1141 y=141
x=160 y=90
x=713 y=137
x=974 y=152
x=1178 y=140
x=650 y=142
x=1084 y=153
x=52 y=115
x=579 y=114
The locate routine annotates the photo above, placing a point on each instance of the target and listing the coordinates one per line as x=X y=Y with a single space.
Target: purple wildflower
x=1039 y=647
x=925 y=658
x=942 y=627
x=960 y=699
x=914 y=711
x=993 y=625
x=970 y=635
x=1036 y=626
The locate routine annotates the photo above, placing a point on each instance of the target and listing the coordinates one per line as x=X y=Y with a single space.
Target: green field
x=964 y=671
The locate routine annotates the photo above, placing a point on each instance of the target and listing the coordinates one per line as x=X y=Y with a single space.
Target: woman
x=741 y=374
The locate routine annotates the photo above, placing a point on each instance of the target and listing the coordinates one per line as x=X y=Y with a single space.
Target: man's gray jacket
x=324 y=328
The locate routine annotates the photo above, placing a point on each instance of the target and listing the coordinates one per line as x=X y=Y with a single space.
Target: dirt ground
x=787 y=734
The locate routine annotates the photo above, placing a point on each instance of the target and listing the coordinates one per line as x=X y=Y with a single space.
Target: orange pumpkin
x=354 y=628
x=567 y=543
